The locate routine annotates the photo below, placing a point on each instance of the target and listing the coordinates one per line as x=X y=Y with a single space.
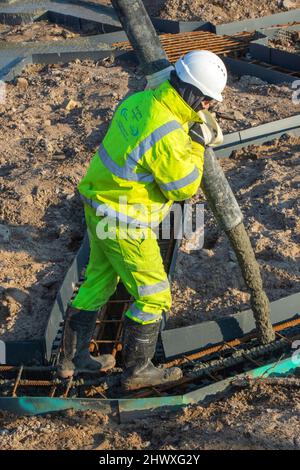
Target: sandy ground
x=258 y=417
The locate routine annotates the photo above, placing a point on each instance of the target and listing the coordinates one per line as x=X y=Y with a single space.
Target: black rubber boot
x=138 y=349
x=78 y=332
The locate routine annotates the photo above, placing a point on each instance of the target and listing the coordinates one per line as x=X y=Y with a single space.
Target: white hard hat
x=205 y=70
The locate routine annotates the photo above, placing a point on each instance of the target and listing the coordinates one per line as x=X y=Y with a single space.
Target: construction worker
x=151 y=156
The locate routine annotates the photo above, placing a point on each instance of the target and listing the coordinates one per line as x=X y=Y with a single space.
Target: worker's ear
x=206 y=104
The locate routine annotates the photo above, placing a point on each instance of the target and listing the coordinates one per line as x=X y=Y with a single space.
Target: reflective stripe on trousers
x=144 y=317
x=137 y=262
x=153 y=288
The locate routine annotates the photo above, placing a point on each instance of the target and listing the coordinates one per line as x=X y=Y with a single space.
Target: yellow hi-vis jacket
x=147 y=159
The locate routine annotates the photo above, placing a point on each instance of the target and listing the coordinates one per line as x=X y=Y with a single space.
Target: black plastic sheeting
x=190 y=339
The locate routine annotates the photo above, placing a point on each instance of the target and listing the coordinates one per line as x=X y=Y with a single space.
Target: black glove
x=196 y=134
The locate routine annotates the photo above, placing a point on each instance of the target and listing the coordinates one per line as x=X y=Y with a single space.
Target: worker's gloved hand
x=207 y=133
x=196 y=134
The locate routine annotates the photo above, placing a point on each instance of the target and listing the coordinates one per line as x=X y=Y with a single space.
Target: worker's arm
x=178 y=165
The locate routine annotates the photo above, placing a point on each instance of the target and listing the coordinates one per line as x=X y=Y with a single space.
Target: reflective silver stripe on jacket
x=182 y=182
x=127 y=171
x=124 y=172
x=153 y=288
x=144 y=316
x=103 y=209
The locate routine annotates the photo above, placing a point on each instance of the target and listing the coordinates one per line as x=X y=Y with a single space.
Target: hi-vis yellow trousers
x=132 y=255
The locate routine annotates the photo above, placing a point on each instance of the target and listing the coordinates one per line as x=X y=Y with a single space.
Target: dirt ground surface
x=39 y=31
x=260 y=416
x=288 y=44
x=249 y=101
x=53 y=119
x=218 y=11
x=221 y=11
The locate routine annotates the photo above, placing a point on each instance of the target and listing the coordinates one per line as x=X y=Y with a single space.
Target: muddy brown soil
x=259 y=417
